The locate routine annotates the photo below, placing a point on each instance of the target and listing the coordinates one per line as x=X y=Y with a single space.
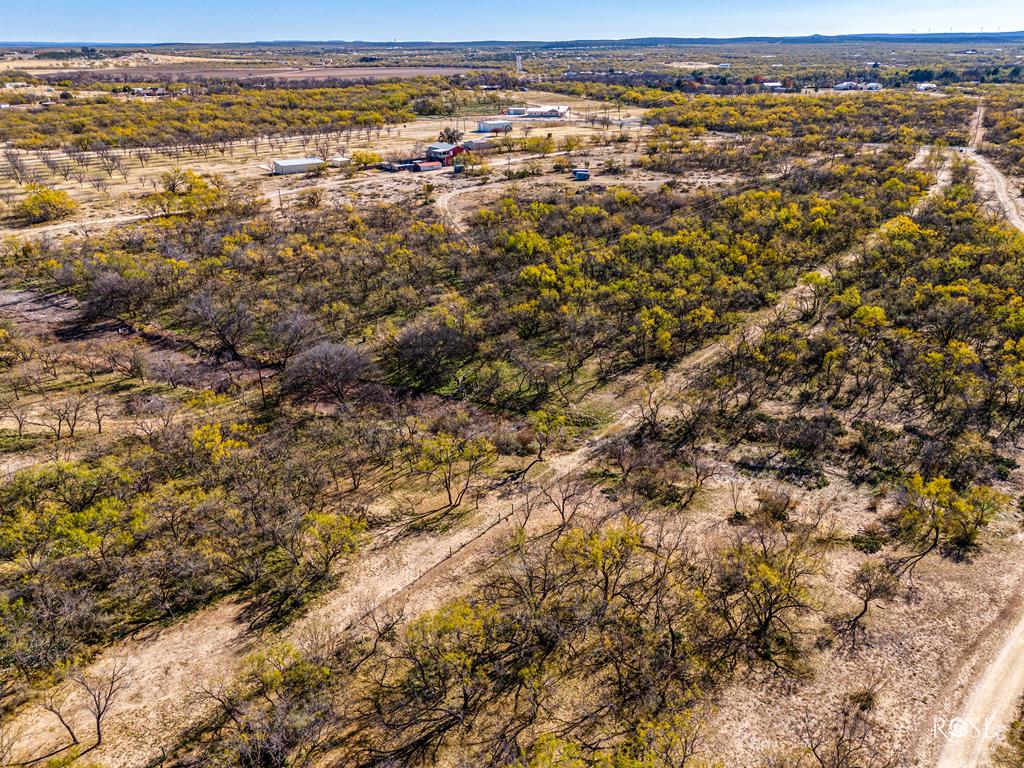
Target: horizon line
x=653 y=39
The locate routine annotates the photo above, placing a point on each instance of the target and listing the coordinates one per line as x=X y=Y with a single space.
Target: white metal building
x=299 y=165
x=493 y=126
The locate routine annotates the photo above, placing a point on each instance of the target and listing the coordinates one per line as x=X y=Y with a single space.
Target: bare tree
x=55 y=702
x=847 y=739
x=324 y=147
x=16 y=169
x=872 y=581
x=65 y=412
x=109 y=161
x=101 y=689
x=100 y=408
x=18 y=411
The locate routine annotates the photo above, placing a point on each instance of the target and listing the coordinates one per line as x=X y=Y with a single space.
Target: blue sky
x=385 y=20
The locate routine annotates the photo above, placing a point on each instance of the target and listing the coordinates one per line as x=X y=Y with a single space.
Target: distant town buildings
x=849 y=85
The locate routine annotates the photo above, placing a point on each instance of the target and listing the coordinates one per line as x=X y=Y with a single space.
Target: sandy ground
x=34 y=65
x=169 y=669
x=40 y=311
x=692 y=64
x=414 y=573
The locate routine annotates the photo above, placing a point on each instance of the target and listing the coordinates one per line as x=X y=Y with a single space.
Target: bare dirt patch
x=38 y=313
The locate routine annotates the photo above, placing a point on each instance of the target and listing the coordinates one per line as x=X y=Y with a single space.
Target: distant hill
x=964 y=38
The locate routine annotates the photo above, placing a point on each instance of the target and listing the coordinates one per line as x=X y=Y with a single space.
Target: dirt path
x=991 y=702
x=90 y=226
x=171 y=667
x=993 y=183
x=978 y=127
x=989 y=706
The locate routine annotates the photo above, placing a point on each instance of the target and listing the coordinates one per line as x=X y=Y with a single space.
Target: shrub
x=44 y=204
x=364 y=159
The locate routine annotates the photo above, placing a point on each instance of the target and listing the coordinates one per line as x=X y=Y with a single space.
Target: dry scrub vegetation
x=638 y=473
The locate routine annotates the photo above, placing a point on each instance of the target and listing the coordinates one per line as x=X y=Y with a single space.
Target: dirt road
x=989 y=708
x=978 y=127
x=991 y=703
x=992 y=182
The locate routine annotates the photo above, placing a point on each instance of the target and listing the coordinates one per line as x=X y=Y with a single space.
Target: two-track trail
x=990 y=703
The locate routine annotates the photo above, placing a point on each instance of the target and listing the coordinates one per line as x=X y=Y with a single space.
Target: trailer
x=298 y=165
x=581 y=174
x=427 y=165
x=477 y=145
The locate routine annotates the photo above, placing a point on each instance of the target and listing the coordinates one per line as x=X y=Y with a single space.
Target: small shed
x=581 y=174
x=427 y=165
x=339 y=161
x=297 y=165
